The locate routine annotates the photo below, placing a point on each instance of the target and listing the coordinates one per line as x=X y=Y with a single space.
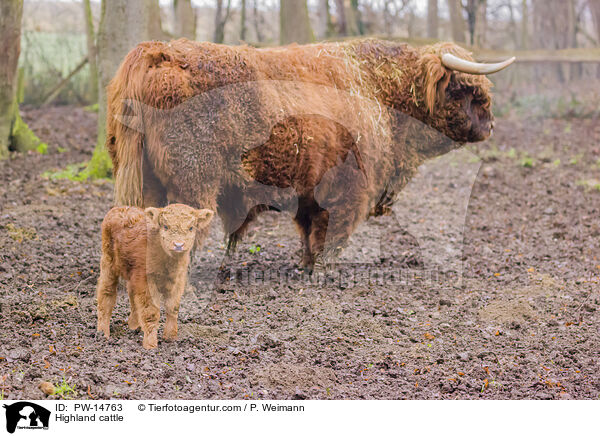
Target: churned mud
x=517 y=216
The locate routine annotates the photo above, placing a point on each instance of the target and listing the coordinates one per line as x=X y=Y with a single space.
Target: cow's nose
x=178 y=246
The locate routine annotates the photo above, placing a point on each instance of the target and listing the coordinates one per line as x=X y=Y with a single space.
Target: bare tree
x=551 y=27
x=185 y=19
x=221 y=20
x=154 y=22
x=14 y=133
x=457 y=21
x=243 y=21
x=594 y=6
x=258 y=21
x=324 y=24
x=347 y=17
x=91 y=47
x=524 y=25
x=481 y=24
x=476 y=20
x=294 y=25
x=393 y=10
x=123 y=24
x=432 y=19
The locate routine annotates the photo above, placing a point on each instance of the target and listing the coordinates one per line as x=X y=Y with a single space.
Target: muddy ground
x=522 y=323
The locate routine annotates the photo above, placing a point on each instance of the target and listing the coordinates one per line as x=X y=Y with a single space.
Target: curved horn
x=458 y=64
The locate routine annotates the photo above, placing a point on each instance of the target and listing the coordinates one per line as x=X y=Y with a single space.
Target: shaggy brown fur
x=151 y=250
x=337 y=128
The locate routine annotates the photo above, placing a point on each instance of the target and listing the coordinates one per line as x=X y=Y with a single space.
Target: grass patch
x=42 y=148
x=20 y=234
x=65 y=390
x=71 y=172
x=590 y=184
x=527 y=162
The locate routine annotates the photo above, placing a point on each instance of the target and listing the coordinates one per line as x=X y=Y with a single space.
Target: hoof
x=133 y=324
x=150 y=345
x=150 y=341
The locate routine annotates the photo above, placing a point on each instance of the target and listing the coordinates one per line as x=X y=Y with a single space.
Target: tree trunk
x=481 y=24
x=472 y=6
x=524 y=25
x=353 y=20
x=432 y=19
x=185 y=19
x=256 y=18
x=123 y=24
x=11 y=13
x=294 y=25
x=457 y=21
x=155 y=30
x=551 y=30
x=220 y=21
x=347 y=12
x=14 y=133
x=513 y=27
x=91 y=48
x=594 y=6
x=575 y=69
x=323 y=19
x=243 y=21
x=410 y=26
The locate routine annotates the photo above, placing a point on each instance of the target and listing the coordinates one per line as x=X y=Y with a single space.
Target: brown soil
x=522 y=323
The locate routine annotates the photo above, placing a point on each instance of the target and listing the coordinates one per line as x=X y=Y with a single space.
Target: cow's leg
x=106 y=294
x=311 y=221
x=155 y=194
x=331 y=228
x=302 y=221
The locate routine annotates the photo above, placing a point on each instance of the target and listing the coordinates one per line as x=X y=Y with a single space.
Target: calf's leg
x=147 y=309
x=172 y=300
x=106 y=295
x=134 y=316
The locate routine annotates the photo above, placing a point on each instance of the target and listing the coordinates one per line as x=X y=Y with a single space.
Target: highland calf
x=331 y=132
x=151 y=250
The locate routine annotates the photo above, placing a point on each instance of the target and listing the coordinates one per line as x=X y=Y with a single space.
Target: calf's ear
x=153 y=214
x=203 y=217
x=434 y=80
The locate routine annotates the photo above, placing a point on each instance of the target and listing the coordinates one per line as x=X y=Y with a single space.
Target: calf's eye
x=166 y=227
x=191 y=228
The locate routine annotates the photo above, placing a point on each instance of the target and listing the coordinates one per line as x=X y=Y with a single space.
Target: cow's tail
x=126 y=96
x=107 y=243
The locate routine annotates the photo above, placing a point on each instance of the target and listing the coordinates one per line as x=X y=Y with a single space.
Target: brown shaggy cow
x=331 y=132
x=151 y=250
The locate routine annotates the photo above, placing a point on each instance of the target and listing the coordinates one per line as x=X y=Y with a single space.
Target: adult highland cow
x=331 y=132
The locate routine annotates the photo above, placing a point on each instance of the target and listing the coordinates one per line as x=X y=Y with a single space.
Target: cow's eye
x=191 y=228
x=166 y=227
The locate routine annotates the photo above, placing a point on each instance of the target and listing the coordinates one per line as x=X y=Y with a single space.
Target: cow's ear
x=434 y=80
x=203 y=217
x=153 y=215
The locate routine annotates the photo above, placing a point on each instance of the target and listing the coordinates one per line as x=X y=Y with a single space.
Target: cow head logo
x=26 y=415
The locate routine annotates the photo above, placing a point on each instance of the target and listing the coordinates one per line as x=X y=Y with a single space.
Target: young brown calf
x=151 y=250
